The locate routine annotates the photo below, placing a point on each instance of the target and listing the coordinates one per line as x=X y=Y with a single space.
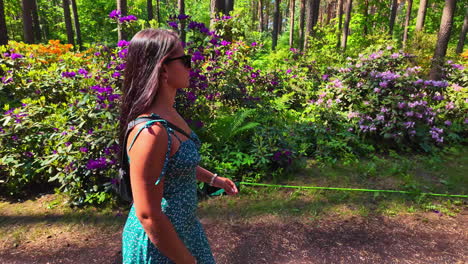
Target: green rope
x=352 y=189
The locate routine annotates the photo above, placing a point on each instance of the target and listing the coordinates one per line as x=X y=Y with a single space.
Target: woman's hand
x=226 y=184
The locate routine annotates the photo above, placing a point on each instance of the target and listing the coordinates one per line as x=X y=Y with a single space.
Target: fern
x=227 y=127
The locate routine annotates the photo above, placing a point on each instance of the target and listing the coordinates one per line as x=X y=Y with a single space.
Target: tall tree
x=312 y=15
x=181 y=6
x=461 y=39
x=393 y=14
x=421 y=15
x=407 y=21
x=229 y=6
x=149 y=8
x=3 y=28
x=158 y=16
x=292 y=9
x=339 y=14
x=27 y=21
x=344 y=40
x=260 y=16
x=122 y=7
x=35 y=18
x=216 y=7
x=276 y=17
x=443 y=38
x=77 y=23
x=302 y=24
x=68 y=23
x=366 y=16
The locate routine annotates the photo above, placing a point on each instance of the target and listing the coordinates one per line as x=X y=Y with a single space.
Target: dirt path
x=420 y=238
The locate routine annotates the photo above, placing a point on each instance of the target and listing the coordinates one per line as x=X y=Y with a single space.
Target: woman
x=162 y=226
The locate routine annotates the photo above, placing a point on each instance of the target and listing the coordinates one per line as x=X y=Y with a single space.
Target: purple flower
x=28 y=154
x=191 y=97
x=14 y=138
x=377 y=90
x=84 y=149
x=288 y=71
x=225 y=43
x=123 y=53
x=116 y=75
x=325 y=77
x=97 y=54
x=129 y=18
x=197 y=56
x=82 y=71
x=114 y=14
x=214 y=41
x=449 y=105
x=123 y=43
x=173 y=24
x=67 y=144
x=199 y=124
x=15 y=56
x=253 y=44
x=97 y=164
x=448 y=123
x=182 y=16
x=68 y=74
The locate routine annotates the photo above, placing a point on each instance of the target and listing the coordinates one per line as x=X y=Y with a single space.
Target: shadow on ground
x=419 y=238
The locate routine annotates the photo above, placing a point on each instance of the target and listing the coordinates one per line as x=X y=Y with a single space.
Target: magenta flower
x=114 y=14
x=15 y=56
x=123 y=43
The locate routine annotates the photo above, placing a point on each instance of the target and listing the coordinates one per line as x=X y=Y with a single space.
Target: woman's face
x=178 y=76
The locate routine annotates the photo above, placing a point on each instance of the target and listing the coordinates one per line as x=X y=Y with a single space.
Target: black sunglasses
x=186 y=60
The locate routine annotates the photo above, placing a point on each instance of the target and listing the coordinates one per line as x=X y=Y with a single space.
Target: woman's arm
x=147 y=159
x=224 y=183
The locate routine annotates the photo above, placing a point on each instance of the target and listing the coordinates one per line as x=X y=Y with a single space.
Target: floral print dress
x=179 y=203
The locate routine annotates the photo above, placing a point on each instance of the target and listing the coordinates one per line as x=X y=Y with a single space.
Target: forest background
x=274 y=85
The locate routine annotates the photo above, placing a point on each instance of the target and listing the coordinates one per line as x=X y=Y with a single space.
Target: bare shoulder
x=148 y=138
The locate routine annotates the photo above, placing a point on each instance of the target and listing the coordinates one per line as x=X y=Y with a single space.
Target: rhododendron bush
x=58 y=128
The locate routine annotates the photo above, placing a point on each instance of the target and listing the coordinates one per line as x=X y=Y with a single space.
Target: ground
x=422 y=237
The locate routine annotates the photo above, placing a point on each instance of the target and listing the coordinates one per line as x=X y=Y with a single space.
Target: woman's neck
x=164 y=103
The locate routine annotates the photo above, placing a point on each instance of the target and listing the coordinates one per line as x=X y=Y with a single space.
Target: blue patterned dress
x=179 y=203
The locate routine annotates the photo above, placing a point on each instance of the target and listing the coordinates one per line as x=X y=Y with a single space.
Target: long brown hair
x=146 y=53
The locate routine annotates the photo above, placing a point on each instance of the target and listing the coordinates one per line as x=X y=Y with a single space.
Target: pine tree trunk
x=421 y=15
x=68 y=23
x=36 y=25
x=329 y=12
x=461 y=39
x=443 y=38
x=122 y=7
x=229 y=6
x=339 y=14
x=276 y=17
x=149 y=8
x=344 y=40
x=366 y=17
x=267 y=16
x=27 y=21
x=301 y=23
x=392 y=17
x=407 y=21
x=181 y=6
x=158 y=16
x=216 y=6
x=315 y=12
x=291 y=23
x=3 y=28
x=77 y=24
x=260 y=16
